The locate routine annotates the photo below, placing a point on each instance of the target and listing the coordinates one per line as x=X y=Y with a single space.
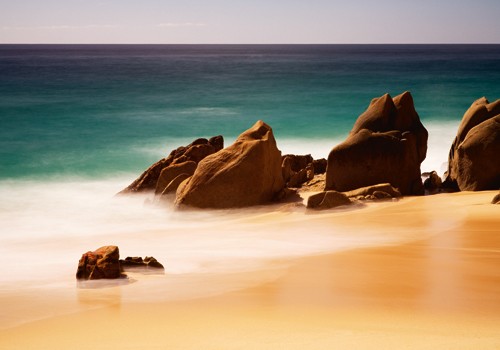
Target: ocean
x=96 y=111
x=80 y=122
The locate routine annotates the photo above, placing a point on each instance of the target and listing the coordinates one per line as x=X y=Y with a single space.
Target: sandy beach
x=438 y=287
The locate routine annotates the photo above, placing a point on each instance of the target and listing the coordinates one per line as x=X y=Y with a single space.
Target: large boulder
x=194 y=152
x=387 y=144
x=101 y=263
x=473 y=163
x=244 y=174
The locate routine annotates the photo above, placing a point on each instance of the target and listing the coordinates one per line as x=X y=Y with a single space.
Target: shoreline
x=440 y=288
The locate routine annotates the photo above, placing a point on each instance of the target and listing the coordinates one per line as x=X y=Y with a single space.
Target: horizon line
x=380 y=43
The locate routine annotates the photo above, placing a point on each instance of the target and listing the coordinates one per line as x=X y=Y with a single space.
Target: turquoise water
x=104 y=110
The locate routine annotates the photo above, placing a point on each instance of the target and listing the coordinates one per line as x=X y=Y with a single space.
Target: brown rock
x=327 y=200
x=217 y=142
x=195 y=151
x=172 y=187
x=298 y=162
x=317 y=184
x=370 y=190
x=298 y=178
x=138 y=262
x=246 y=173
x=496 y=199
x=386 y=144
x=172 y=171
x=102 y=263
x=309 y=172
x=433 y=183
x=381 y=195
x=298 y=169
x=320 y=166
x=286 y=169
x=473 y=160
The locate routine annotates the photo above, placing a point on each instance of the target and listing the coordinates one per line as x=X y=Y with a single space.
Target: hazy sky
x=255 y=21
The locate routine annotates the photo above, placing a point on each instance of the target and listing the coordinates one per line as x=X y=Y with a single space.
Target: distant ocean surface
x=94 y=111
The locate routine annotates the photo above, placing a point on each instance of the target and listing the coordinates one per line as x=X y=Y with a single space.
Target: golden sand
x=441 y=290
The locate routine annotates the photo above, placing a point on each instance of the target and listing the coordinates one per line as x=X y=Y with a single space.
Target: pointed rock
x=386 y=145
x=246 y=173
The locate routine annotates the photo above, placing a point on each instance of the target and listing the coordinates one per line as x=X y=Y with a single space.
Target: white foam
x=441 y=136
x=47 y=225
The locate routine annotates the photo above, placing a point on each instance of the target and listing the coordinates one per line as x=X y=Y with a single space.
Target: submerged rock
x=101 y=263
x=473 y=163
x=244 y=174
x=386 y=144
x=105 y=263
x=137 y=262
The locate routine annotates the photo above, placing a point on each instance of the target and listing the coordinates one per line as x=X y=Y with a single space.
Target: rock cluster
x=105 y=263
x=182 y=162
x=473 y=163
x=386 y=144
x=332 y=199
x=298 y=169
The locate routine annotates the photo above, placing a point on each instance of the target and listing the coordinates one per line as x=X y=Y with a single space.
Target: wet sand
x=439 y=291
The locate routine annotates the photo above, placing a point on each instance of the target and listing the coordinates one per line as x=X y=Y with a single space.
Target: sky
x=249 y=22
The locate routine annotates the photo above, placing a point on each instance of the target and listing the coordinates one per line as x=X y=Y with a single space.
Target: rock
x=298 y=178
x=244 y=174
x=172 y=187
x=195 y=151
x=172 y=171
x=298 y=162
x=473 y=163
x=496 y=199
x=327 y=200
x=317 y=184
x=386 y=144
x=309 y=172
x=320 y=166
x=101 y=263
x=288 y=195
x=433 y=182
x=286 y=169
x=137 y=262
x=153 y=263
x=217 y=142
x=298 y=169
x=381 y=195
x=370 y=191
